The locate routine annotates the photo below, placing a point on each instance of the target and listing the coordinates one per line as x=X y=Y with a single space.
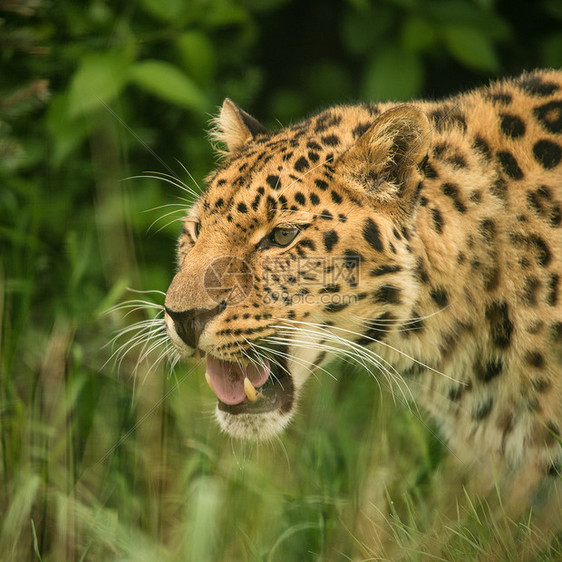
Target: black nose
x=190 y=323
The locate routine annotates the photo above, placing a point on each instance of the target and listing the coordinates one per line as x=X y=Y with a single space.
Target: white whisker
x=398 y=321
x=165 y=215
x=190 y=175
x=146 y=292
x=365 y=358
x=373 y=340
x=143 y=338
x=167 y=178
x=172 y=180
x=166 y=205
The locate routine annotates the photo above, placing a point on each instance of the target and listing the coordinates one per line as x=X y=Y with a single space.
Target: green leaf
x=393 y=75
x=265 y=5
x=197 y=55
x=418 y=34
x=99 y=78
x=167 y=82
x=166 y=10
x=471 y=47
x=221 y=13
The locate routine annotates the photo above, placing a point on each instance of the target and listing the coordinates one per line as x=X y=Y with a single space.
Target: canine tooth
x=251 y=393
x=208 y=379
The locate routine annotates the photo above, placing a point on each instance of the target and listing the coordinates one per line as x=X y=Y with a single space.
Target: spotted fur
x=444 y=219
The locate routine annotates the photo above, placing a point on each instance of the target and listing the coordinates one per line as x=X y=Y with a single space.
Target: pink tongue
x=227 y=379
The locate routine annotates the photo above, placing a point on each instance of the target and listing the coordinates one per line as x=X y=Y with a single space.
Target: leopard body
x=427 y=244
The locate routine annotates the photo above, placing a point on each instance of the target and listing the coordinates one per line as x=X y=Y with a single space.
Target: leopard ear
x=234 y=127
x=386 y=161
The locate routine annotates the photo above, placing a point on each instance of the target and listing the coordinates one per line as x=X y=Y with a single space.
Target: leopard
x=421 y=240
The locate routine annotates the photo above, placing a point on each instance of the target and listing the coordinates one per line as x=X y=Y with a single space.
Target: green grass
x=97 y=465
x=108 y=460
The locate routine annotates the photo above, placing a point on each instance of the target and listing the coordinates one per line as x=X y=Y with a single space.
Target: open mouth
x=250 y=388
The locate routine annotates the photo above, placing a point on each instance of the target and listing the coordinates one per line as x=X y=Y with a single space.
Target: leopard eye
x=283 y=236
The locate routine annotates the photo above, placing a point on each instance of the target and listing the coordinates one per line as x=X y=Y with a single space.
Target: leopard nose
x=190 y=323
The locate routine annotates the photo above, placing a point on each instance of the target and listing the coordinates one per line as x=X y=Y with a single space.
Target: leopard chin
x=253 y=426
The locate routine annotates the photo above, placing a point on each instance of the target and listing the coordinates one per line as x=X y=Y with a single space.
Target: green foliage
x=99 y=78
x=168 y=83
x=101 y=463
x=472 y=47
x=393 y=74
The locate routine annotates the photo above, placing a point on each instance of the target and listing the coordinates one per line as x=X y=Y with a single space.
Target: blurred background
x=112 y=458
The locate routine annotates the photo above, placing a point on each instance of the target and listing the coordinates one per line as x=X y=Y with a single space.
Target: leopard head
x=280 y=261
